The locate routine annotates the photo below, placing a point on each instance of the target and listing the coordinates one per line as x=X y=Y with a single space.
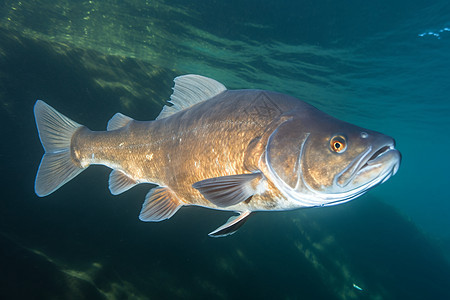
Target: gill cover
x=283 y=154
x=316 y=160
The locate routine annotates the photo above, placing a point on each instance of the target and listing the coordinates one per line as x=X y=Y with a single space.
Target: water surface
x=381 y=65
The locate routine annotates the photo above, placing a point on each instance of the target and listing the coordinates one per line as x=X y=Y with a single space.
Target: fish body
x=236 y=150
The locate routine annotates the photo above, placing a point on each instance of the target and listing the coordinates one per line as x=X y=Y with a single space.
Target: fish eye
x=338 y=144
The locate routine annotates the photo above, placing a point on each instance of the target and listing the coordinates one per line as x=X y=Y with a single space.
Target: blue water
x=382 y=65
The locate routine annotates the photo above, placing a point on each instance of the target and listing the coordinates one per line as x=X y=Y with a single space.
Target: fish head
x=317 y=160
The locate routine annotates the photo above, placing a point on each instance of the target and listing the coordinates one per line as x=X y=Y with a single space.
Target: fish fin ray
x=160 y=204
x=190 y=90
x=118 y=121
x=55 y=170
x=55 y=132
x=120 y=182
x=228 y=190
x=231 y=226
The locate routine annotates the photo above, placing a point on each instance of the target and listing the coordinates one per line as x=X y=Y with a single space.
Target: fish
x=242 y=150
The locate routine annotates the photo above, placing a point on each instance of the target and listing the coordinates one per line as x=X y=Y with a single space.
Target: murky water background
x=381 y=65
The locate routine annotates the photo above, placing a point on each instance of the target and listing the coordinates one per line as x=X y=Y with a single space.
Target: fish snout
x=380 y=159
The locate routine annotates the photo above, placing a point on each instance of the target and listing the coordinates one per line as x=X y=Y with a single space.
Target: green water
x=379 y=65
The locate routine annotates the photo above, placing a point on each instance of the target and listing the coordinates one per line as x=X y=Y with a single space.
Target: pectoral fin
x=231 y=226
x=228 y=190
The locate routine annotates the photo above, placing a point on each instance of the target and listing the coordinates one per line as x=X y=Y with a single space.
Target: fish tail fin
x=55 y=132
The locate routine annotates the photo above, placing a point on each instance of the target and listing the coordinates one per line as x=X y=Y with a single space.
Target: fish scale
x=235 y=150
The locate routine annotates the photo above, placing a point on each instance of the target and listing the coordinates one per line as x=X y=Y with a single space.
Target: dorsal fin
x=118 y=121
x=190 y=90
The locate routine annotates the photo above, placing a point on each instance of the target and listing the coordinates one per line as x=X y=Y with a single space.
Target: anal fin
x=160 y=204
x=119 y=182
x=231 y=226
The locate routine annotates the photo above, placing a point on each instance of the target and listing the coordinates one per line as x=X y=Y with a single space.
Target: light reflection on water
x=378 y=74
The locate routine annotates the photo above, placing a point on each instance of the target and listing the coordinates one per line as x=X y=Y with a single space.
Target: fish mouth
x=377 y=156
x=374 y=165
x=386 y=155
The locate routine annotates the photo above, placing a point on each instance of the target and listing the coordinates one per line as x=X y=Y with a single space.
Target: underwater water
x=383 y=65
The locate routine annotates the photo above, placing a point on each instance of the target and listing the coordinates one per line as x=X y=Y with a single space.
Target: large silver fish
x=235 y=150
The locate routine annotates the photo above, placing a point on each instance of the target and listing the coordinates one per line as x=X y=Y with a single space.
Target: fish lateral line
x=232 y=150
